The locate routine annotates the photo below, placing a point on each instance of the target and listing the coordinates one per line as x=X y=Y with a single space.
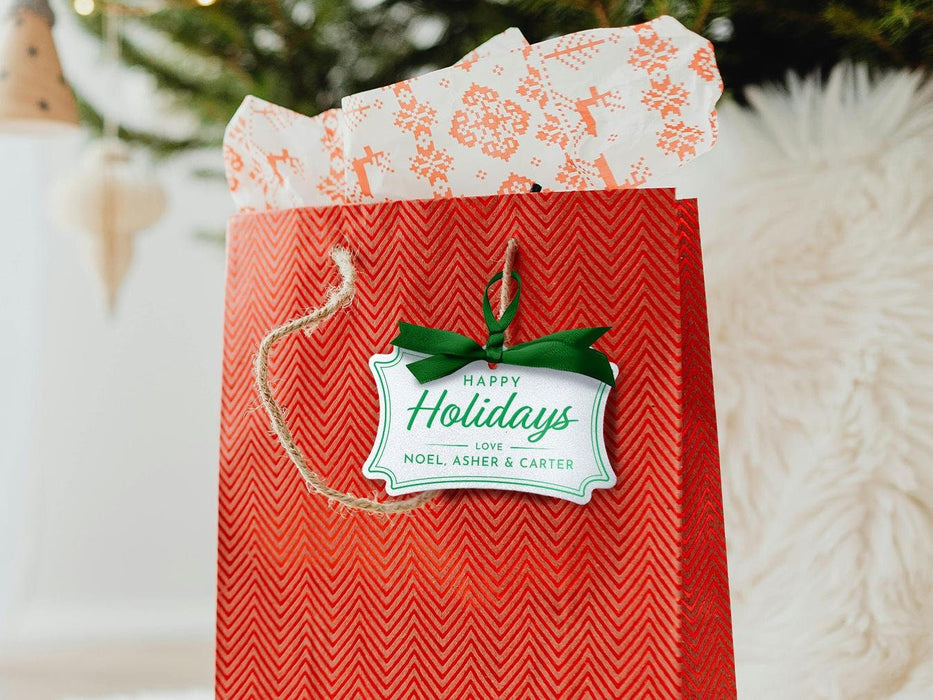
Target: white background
x=108 y=425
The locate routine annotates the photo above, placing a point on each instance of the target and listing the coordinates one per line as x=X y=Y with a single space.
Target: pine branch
x=307 y=54
x=159 y=146
x=702 y=13
x=845 y=22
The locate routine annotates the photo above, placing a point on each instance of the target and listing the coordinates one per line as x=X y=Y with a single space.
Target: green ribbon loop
x=568 y=351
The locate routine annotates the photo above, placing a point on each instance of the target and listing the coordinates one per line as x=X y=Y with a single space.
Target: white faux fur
x=817 y=216
x=817 y=220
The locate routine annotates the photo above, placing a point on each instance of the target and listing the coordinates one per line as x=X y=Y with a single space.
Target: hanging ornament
x=34 y=95
x=111 y=195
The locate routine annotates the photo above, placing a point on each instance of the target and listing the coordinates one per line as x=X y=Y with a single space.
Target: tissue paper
x=599 y=109
x=276 y=158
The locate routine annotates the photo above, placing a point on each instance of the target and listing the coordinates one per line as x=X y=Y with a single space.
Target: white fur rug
x=817 y=220
x=817 y=215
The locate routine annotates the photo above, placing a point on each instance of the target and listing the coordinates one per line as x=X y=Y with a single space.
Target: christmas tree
x=307 y=54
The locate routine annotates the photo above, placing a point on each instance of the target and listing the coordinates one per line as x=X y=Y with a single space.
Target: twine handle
x=338 y=298
x=508 y=263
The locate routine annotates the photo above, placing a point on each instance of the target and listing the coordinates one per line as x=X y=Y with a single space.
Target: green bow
x=568 y=351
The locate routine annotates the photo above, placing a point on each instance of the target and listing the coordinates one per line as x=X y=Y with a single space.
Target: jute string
x=338 y=298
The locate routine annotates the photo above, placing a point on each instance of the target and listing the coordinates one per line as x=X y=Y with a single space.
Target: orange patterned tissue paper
x=599 y=109
x=276 y=158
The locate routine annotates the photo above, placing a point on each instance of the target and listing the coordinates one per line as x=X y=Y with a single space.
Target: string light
x=84 y=7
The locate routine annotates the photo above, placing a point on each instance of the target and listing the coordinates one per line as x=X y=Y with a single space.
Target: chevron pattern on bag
x=480 y=593
x=707 y=632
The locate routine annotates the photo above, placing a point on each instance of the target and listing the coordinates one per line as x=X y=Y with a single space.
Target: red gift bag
x=477 y=593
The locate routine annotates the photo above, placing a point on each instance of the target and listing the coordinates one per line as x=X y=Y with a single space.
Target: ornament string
x=111 y=21
x=338 y=298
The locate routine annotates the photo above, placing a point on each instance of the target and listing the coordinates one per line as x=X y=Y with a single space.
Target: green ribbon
x=568 y=351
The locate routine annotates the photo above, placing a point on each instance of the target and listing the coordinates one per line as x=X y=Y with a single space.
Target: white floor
x=108 y=670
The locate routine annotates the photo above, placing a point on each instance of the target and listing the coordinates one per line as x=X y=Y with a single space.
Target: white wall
x=108 y=427
x=20 y=252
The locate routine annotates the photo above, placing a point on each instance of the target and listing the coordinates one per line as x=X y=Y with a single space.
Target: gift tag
x=457 y=414
x=528 y=429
